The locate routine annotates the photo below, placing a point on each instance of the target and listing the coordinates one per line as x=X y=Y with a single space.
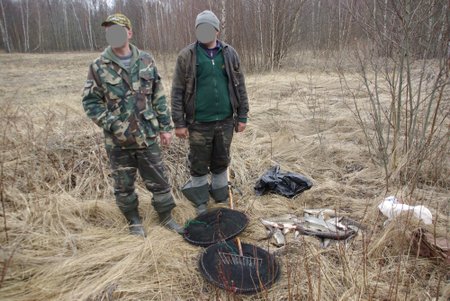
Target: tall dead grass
x=62 y=237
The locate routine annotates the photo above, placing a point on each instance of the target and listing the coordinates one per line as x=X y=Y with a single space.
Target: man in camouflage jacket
x=209 y=102
x=124 y=96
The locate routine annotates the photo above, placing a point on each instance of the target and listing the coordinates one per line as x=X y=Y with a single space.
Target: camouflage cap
x=119 y=19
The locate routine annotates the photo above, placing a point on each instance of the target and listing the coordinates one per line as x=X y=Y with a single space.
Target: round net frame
x=254 y=271
x=215 y=225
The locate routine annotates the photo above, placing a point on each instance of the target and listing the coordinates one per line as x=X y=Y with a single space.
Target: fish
x=277 y=235
x=326 y=231
x=279 y=226
x=352 y=224
x=324 y=213
x=345 y=223
x=320 y=228
x=336 y=221
x=286 y=223
x=286 y=218
x=279 y=238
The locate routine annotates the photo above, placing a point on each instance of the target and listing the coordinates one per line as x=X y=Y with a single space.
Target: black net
x=254 y=271
x=215 y=225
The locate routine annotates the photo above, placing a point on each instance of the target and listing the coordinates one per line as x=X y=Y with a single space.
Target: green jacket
x=185 y=82
x=129 y=105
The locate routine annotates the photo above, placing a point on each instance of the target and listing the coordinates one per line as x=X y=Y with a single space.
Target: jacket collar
x=192 y=46
x=108 y=56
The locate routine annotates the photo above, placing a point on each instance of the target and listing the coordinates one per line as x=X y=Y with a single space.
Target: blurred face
x=206 y=33
x=117 y=36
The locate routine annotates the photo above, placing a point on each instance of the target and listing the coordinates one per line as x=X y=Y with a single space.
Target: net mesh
x=253 y=271
x=215 y=225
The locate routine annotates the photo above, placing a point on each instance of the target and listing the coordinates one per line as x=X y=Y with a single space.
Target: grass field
x=63 y=238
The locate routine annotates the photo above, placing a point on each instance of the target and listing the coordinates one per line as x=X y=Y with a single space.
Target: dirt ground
x=63 y=238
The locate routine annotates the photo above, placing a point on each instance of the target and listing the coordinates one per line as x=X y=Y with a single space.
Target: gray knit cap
x=209 y=17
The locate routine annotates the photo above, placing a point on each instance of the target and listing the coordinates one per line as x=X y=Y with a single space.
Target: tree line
x=263 y=31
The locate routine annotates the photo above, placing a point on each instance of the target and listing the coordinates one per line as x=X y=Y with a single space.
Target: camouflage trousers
x=124 y=165
x=209 y=144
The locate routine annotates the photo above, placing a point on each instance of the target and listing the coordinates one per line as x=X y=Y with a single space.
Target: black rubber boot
x=199 y=196
x=134 y=222
x=168 y=222
x=220 y=195
x=201 y=209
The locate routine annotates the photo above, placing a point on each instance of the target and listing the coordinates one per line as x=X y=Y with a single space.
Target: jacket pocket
x=121 y=135
x=113 y=88
x=146 y=78
x=113 y=94
x=151 y=124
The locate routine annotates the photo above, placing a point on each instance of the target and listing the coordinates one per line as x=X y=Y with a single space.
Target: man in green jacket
x=124 y=96
x=209 y=101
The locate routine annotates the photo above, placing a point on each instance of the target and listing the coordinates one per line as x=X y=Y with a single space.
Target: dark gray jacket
x=184 y=85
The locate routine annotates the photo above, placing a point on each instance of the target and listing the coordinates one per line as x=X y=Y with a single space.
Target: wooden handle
x=230 y=197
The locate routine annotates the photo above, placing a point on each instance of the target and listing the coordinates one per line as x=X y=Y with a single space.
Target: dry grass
x=62 y=237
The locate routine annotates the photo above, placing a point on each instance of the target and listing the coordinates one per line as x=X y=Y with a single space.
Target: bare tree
x=80 y=28
x=403 y=135
x=53 y=25
x=4 y=28
x=25 y=27
x=223 y=20
x=263 y=31
x=89 y=26
x=146 y=23
x=39 y=28
x=284 y=17
x=66 y=25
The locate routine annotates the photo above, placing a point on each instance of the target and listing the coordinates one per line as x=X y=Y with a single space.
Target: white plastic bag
x=390 y=207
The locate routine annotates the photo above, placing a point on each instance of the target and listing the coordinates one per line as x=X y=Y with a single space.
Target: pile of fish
x=321 y=223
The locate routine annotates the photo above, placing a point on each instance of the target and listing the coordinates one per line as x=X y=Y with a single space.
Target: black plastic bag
x=285 y=183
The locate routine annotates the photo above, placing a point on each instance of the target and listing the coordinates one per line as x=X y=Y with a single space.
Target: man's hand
x=240 y=127
x=166 y=138
x=182 y=133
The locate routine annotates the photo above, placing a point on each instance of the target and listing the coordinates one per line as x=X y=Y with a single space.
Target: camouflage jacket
x=185 y=82
x=130 y=106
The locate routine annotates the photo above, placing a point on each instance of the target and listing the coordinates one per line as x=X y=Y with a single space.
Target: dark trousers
x=209 y=144
x=124 y=165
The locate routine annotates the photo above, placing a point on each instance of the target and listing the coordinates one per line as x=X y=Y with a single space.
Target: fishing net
x=215 y=225
x=253 y=271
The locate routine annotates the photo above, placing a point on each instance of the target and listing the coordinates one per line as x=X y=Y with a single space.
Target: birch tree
x=4 y=28
x=80 y=28
x=24 y=13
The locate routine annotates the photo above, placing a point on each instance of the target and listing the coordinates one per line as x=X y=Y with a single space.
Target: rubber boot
x=134 y=222
x=199 y=196
x=201 y=209
x=220 y=195
x=168 y=222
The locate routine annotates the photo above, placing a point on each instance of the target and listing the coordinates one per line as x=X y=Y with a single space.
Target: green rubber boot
x=134 y=223
x=168 y=222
